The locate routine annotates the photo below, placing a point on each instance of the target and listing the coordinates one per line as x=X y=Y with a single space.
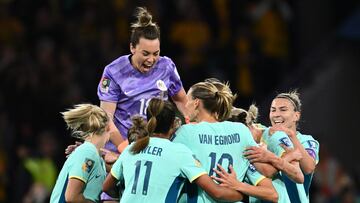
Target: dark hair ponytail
x=161 y=116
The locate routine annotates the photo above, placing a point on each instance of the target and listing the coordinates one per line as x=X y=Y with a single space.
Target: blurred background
x=52 y=54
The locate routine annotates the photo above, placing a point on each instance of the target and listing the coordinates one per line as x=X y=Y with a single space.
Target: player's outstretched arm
x=180 y=100
x=216 y=191
x=109 y=185
x=307 y=162
x=263 y=190
x=258 y=156
x=115 y=135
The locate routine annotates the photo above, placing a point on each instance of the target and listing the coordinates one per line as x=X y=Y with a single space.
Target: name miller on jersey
x=219 y=139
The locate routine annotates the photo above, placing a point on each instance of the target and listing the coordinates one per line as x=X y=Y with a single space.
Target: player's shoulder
x=309 y=139
x=165 y=62
x=305 y=137
x=118 y=65
x=179 y=147
x=234 y=125
x=187 y=126
x=86 y=149
x=231 y=123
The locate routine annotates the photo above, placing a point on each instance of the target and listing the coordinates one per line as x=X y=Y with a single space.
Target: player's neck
x=205 y=117
x=161 y=135
x=98 y=141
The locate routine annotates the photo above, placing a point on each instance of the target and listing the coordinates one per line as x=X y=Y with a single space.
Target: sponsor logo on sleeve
x=252 y=168
x=88 y=165
x=312 y=144
x=105 y=84
x=286 y=141
x=311 y=152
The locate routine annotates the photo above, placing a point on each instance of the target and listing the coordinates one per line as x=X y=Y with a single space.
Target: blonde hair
x=294 y=98
x=143 y=27
x=86 y=119
x=217 y=99
x=221 y=86
x=246 y=117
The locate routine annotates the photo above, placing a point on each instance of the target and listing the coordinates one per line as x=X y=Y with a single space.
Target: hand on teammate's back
x=69 y=149
x=224 y=178
x=109 y=156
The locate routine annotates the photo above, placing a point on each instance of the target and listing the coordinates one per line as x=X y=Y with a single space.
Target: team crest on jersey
x=197 y=162
x=105 y=84
x=88 y=165
x=286 y=141
x=162 y=87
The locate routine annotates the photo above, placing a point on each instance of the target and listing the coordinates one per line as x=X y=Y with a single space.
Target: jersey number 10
x=212 y=156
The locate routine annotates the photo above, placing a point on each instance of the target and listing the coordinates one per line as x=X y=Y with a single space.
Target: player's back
x=157 y=173
x=217 y=143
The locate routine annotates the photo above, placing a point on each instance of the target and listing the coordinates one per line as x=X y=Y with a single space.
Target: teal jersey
x=84 y=164
x=275 y=140
x=273 y=143
x=300 y=192
x=216 y=143
x=157 y=173
x=252 y=176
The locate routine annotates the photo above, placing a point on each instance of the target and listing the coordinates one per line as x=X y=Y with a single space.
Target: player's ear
x=297 y=116
x=132 y=49
x=196 y=103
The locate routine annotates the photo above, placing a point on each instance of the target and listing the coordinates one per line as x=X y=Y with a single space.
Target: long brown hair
x=143 y=27
x=138 y=129
x=161 y=116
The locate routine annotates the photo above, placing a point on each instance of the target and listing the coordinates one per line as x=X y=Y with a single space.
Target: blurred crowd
x=52 y=54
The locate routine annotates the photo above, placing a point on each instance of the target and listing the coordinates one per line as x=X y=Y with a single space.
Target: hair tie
x=292 y=101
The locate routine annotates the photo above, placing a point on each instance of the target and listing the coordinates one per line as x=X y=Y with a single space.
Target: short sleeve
x=108 y=89
x=312 y=147
x=190 y=166
x=275 y=141
x=175 y=82
x=253 y=176
x=83 y=166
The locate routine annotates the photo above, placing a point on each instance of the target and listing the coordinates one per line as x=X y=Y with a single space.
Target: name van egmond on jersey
x=219 y=139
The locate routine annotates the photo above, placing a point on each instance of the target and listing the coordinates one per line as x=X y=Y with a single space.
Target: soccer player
x=154 y=169
x=212 y=139
x=83 y=173
x=275 y=151
x=285 y=113
x=130 y=81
